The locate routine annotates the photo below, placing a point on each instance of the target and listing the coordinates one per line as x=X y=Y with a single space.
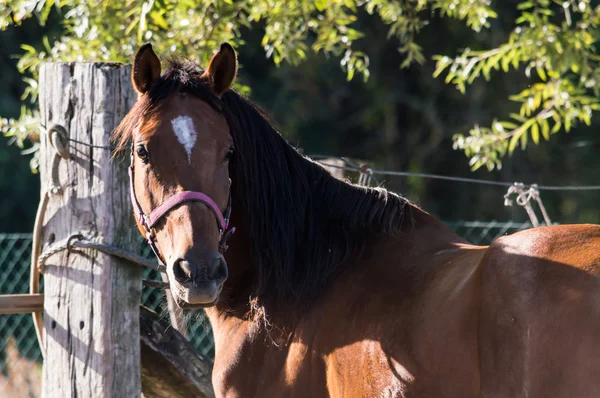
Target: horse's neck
x=244 y=344
x=423 y=234
x=236 y=319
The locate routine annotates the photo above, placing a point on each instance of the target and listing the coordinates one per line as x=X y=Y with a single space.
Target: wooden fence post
x=91 y=300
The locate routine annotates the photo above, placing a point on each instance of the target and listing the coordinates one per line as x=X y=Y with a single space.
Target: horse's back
x=539 y=318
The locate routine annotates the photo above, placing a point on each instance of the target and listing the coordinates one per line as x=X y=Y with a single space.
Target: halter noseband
x=149 y=221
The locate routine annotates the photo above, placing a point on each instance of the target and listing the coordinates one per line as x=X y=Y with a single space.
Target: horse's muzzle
x=197 y=285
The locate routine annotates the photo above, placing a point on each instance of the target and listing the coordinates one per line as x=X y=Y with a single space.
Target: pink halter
x=148 y=221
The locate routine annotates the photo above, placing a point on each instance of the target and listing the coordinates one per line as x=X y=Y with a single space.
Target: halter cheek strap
x=149 y=221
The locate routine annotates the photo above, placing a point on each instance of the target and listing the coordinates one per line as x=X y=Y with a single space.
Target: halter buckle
x=223 y=241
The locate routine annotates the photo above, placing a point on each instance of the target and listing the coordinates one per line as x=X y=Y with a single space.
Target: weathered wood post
x=91 y=300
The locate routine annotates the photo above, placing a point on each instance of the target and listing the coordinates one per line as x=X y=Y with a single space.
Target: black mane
x=304 y=224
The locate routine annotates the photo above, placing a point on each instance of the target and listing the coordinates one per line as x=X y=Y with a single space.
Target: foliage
x=556 y=39
x=112 y=30
x=563 y=54
x=25 y=127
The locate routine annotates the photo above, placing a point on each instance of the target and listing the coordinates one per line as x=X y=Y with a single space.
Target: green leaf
x=131 y=25
x=159 y=21
x=354 y=34
x=475 y=73
x=513 y=143
x=518 y=117
x=515 y=60
x=505 y=63
x=440 y=68
x=541 y=73
x=545 y=129
x=477 y=165
x=28 y=48
x=525 y=5
x=46 y=11
x=557 y=126
x=509 y=125
x=366 y=75
x=486 y=71
x=535 y=133
x=586 y=118
x=537 y=101
x=524 y=138
x=47 y=45
x=350 y=74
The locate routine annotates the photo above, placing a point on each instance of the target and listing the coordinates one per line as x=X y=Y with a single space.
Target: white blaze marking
x=185 y=132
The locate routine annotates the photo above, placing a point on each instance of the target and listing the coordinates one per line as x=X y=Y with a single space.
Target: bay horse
x=333 y=289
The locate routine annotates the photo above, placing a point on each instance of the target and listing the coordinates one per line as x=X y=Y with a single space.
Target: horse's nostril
x=182 y=270
x=218 y=270
x=215 y=271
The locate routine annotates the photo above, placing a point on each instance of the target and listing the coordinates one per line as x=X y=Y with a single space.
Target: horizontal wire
x=456 y=179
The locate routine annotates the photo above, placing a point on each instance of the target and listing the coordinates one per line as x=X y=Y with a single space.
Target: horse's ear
x=146 y=69
x=222 y=69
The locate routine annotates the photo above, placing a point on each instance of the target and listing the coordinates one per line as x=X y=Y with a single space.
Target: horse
x=329 y=289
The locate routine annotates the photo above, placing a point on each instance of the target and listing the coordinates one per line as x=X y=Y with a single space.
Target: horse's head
x=181 y=147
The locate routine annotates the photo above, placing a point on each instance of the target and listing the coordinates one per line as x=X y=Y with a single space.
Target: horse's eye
x=229 y=153
x=142 y=154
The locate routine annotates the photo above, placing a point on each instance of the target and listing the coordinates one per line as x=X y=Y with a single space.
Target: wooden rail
x=21 y=303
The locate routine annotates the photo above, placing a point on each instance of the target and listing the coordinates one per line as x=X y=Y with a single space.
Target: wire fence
x=20 y=356
x=350 y=166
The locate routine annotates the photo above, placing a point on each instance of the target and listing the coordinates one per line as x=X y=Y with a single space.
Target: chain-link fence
x=484 y=232
x=20 y=357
